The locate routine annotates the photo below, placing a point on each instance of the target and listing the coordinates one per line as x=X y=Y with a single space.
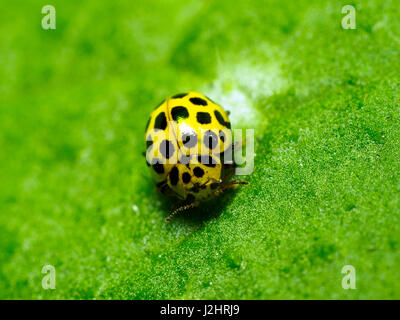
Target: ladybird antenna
x=180 y=209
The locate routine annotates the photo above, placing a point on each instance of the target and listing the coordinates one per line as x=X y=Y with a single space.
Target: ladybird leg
x=227 y=185
x=180 y=209
x=161 y=184
x=166 y=190
x=233 y=184
x=163 y=187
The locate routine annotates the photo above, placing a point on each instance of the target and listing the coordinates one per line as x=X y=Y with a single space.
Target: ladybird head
x=195 y=177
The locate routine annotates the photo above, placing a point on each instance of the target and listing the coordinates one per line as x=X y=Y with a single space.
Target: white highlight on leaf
x=239 y=88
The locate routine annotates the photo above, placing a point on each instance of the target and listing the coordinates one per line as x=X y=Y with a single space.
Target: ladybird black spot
x=207 y=161
x=161 y=121
x=221 y=120
x=189 y=139
x=203 y=117
x=198 y=101
x=149 y=143
x=179 y=95
x=198 y=172
x=158 y=167
x=174 y=176
x=167 y=149
x=219 y=117
x=222 y=136
x=210 y=139
x=179 y=113
x=186 y=177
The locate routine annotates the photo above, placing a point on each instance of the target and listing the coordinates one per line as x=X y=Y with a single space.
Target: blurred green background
x=75 y=192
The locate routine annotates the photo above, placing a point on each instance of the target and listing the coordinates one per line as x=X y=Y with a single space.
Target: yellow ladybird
x=189 y=149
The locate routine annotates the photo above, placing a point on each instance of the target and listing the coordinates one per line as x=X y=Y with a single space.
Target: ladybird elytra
x=189 y=147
